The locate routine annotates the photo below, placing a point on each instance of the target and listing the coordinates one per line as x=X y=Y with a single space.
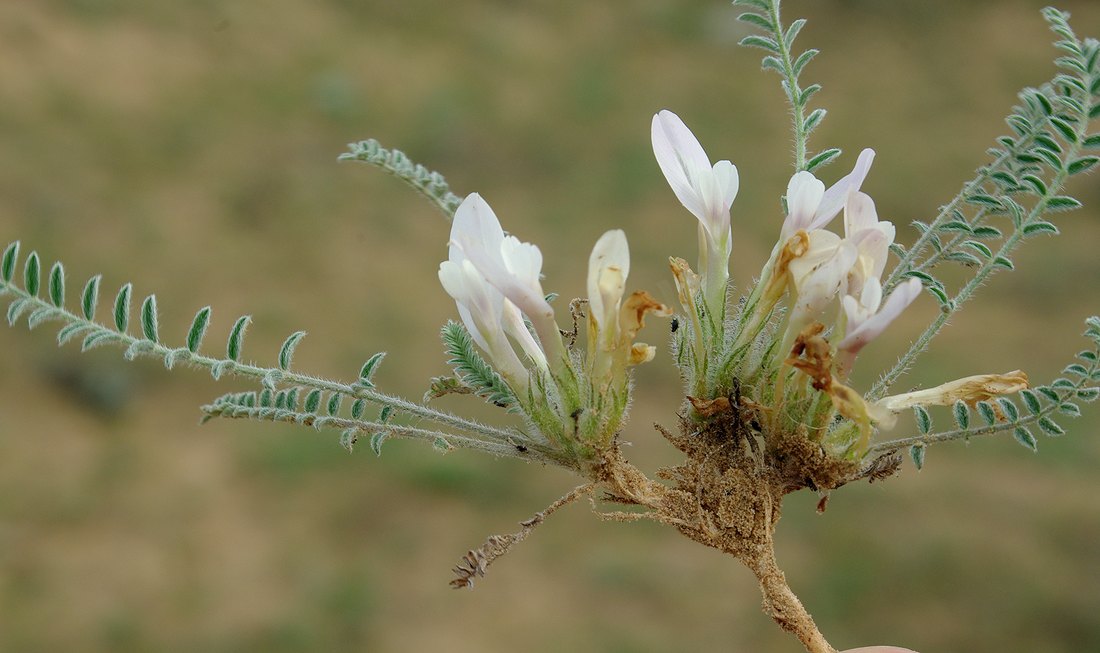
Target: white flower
x=511 y=267
x=482 y=309
x=608 y=267
x=706 y=191
x=869 y=316
x=871 y=237
x=817 y=275
x=613 y=322
x=810 y=206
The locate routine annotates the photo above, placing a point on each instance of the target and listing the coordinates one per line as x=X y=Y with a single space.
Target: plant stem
x=781 y=604
x=798 y=107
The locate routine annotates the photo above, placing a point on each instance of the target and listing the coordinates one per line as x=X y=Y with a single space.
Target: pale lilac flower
x=509 y=265
x=869 y=316
x=811 y=206
x=706 y=190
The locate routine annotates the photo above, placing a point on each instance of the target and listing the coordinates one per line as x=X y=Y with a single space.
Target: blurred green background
x=191 y=147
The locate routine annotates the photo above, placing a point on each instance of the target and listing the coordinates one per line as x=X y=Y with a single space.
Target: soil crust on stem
x=728 y=494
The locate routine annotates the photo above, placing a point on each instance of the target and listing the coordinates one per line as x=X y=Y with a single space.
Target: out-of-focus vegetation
x=191 y=146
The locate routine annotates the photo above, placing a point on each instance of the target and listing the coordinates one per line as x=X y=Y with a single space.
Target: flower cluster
x=575 y=401
x=818 y=302
x=789 y=348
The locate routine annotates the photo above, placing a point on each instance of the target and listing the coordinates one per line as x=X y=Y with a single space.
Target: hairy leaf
x=985 y=409
x=802 y=60
x=57 y=285
x=286 y=352
x=1024 y=437
x=149 y=318
x=916 y=452
x=763 y=42
x=1037 y=184
x=1040 y=227
x=1050 y=427
x=808 y=93
x=312 y=401
x=753 y=18
x=824 y=158
x=40 y=315
x=70 y=331
x=32 y=273
x=1088 y=394
x=348 y=438
x=366 y=374
x=8 y=261
x=16 y=308
x=236 y=337
x=472 y=369
x=812 y=121
x=89 y=299
x=1031 y=401
x=376 y=441
x=1080 y=165
x=924 y=420
x=198 y=329
x=792 y=32
x=97 y=338
x=986 y=231
x=962 y=415
x=1064 y=128
x=357 y=408
x=979 y=247
x=428 y=183
x=1008 y=408
x=122 y=308
x=1062 y=203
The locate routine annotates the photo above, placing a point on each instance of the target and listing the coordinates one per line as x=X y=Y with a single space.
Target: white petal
x=471 y=326
x=871 y=296
x=729 y=182
x=821 y=245
x=509 y=265
x=804 y=193
x=475 y=223
x=668 y=127
x=852 y=309
x=898 y=301
x=819 y=275
x=859 y=214
x=608 y=267
x=681 y=159
x=523 y=260
x=515 y=327
x=876 y=246
x=834 y=199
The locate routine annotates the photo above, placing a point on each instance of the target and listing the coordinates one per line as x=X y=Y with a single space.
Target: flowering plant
x=769 y=407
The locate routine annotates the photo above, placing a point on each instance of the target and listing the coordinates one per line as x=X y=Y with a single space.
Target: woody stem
x=781 y=604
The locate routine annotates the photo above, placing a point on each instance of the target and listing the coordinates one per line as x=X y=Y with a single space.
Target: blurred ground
x=191 y=147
